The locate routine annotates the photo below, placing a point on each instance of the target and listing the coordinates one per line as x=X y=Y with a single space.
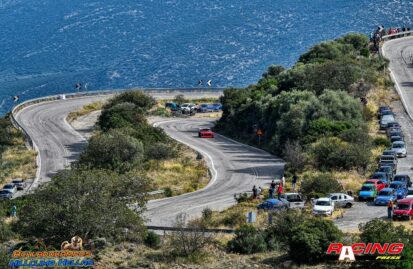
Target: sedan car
x=395 y=138
x=367 y=192
x=383 y=110
x=5 y=195
x=10 y=188
x=403 y=209
x=381 y=176
x=323 y=206
x=203 y=108
x=400 y=148
x=19 y=183
x=217 y=106
x=385 y=195
x=206 y=133
x=341 y=200
x=273 y=204
x=388 y=170
x=385 y=120
x=400 y=188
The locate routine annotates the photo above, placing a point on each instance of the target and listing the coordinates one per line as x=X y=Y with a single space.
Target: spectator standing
x=280 y=191
x=13 y=211
x=272 y=184
x=390 y=207
x=271 y=192
x=254 y=192
x=294 y=181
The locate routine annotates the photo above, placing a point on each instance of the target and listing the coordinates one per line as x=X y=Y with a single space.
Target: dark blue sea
x=46 y=46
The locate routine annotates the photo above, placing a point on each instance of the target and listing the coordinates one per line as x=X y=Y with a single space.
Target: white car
x=323 y=206
x=342 y=200
x=10 y=188
x=188 y=108
x=400 y=148
x=385 y=120
x=409 y=193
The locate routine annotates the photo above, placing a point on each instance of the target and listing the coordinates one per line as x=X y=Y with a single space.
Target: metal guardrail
x=175 y=229
x=397 y=35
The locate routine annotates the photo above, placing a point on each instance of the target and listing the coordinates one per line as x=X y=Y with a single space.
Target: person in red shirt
x=280 y=191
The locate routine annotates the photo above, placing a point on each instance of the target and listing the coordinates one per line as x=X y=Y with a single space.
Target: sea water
x=47 y=46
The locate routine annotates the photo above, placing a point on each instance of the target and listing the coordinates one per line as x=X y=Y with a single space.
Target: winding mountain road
x=235 y=167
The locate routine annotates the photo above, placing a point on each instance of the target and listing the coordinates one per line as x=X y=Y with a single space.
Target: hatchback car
x=203 y=108
x=206 y=133
x=393 y=124
x=400 y=188
x=367 y=192
x=403 y=177
x=403 y=209
x=378 y=183
x=395 y=138
x=400 y=148
x=381 y=175
x=385 y=195
x=385 y=120
x=273 y=204
x=323 y=206
x=388 y=170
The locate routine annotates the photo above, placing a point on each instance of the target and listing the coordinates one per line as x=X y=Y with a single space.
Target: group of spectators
x=376 y=36
x=275 y=188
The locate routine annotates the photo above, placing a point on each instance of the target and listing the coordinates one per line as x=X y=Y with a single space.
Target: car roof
x=398 y=182
x=372 y=179
x=387 y=189
x=401 y=174
x=398 y=142
x=379 y=173
x=8 y=184
x=4 y=191
x=405 y=200
x=324 y=199
x=368 y=184
x=337 y=193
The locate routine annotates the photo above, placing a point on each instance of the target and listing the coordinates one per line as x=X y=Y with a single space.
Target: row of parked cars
x=190 y=108
x=386 y=184
x=321 y=206
x=10 y=189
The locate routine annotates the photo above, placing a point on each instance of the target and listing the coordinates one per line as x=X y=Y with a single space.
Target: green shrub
x=319 y=184
x=161 y=112
x=112 y=150
x=121 y=115
x=152 y=240
x=168 y=192
x=309 y=240
x=247 y=240
x=180 y=99
x=138 y=98
x=160 y=151
x=382 y=141
x=207 y=214
x=234 y=218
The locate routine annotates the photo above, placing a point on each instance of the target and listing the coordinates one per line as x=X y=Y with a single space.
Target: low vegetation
x=86 y=109
x=16 y=160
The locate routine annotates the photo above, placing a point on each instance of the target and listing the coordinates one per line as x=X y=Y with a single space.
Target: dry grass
x=84 y=110
x=181 y=175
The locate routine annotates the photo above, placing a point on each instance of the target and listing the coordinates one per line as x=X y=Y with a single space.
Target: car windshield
x=395 y=186
x=8 y=186
x=403 y=206
x=367 y=188
x=398 y=146
x=4 y=192
x=17 y=181
x=410 y=192
x=385 y=193
x=323 y=203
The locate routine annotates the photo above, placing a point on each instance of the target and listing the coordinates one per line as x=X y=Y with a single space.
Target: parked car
x=400 y=188
x=19 y=183
x=396 y=138
x=5 y=195
x=395 y=129
x=217 y=107
x=188 y=108
x=388 y=170
x=367 y=192
x=381 y=175
x=341 y=200
x=391 y=164
x=389 y=152
x=378 y=183
x=403 y=209
x=400 y=148
x=393 y=124
x=172 y=106
x=409 y=193
x=395 y=132
x=385 y=120
x=206 y=133
x=389 y=158
x=323 y=206
x=10 y=187
x=382 y=110
x=203 y=108
x=294 y=200
x=385 y=195
x=403 y=177
x=273 y=204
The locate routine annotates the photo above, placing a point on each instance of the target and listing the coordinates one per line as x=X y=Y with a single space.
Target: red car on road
x=403 y=209
x=378 y=183
x=206 y=133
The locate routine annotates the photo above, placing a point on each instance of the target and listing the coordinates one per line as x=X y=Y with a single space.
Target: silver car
x=400 y=148
x=5 y=195
x=19 y=183
x=342 y=199
x=385 y=120
x=10 y=188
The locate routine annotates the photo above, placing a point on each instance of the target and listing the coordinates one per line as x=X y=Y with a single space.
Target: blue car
x=273 y=204
x=217 y=107
x=205 y=108
x=367 y=192
x=385 y=195
x=400 y=187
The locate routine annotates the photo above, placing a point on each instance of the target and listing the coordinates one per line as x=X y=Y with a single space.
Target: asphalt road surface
x=400 y=54
x=235 y=167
